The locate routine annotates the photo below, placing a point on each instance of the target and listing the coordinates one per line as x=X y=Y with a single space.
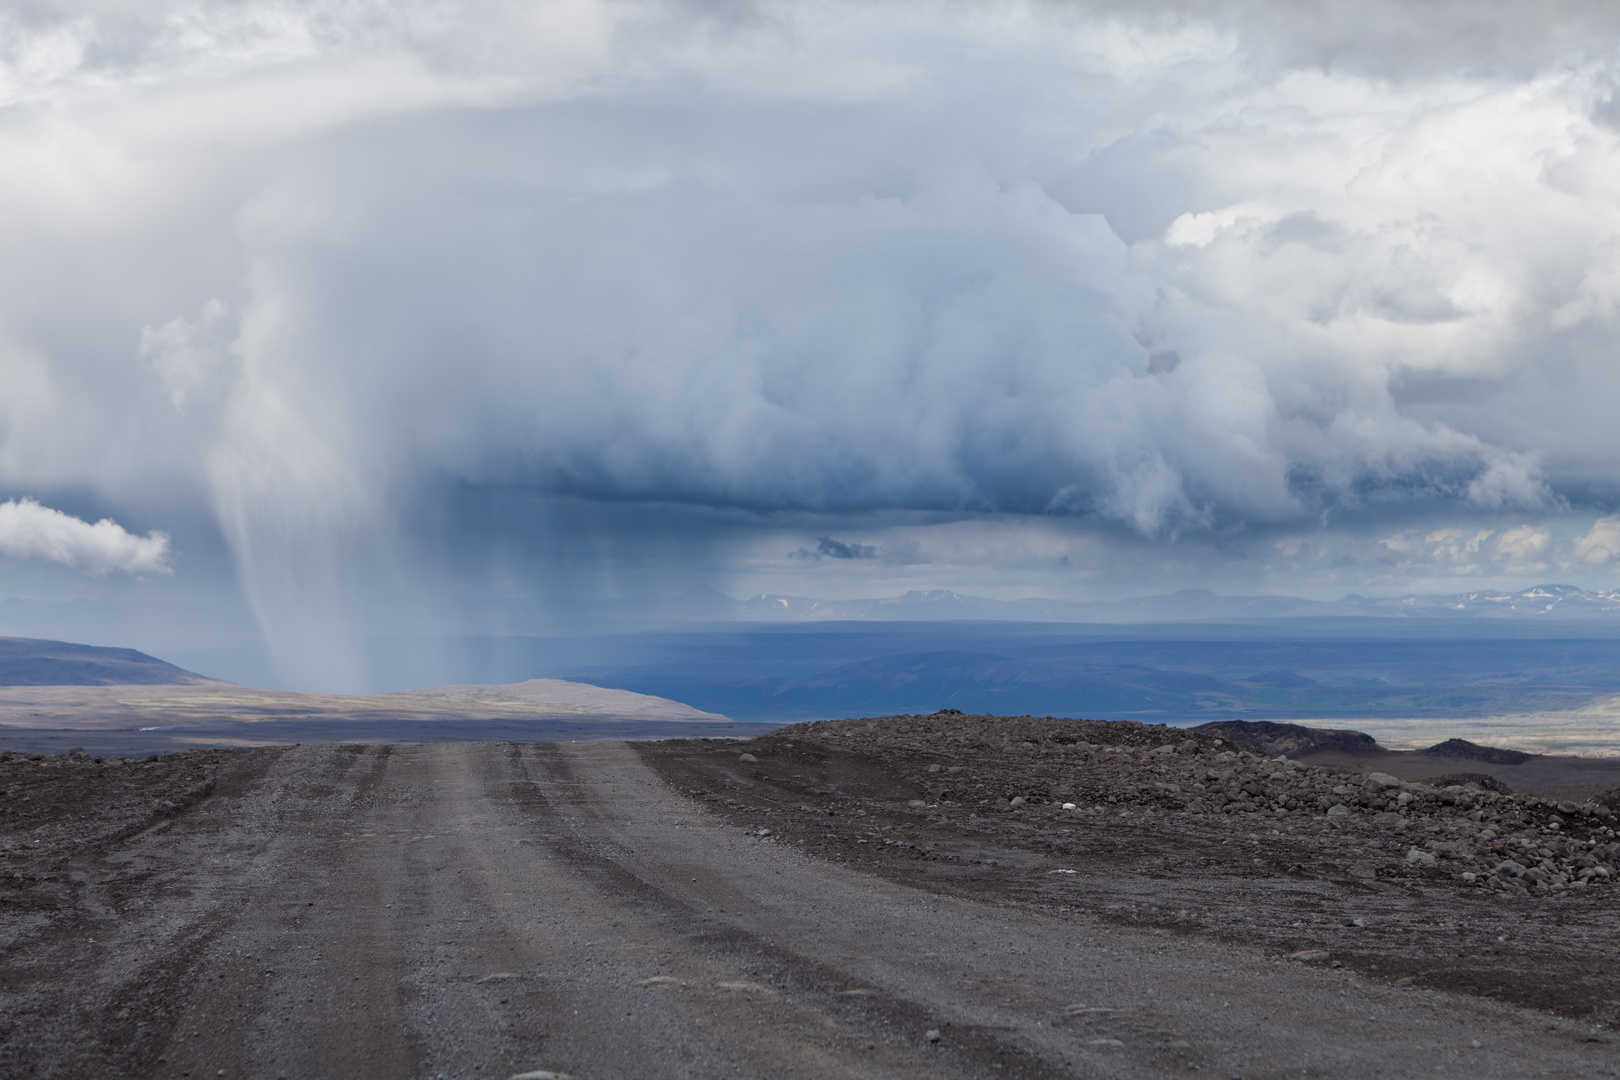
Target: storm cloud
x=1174 y=270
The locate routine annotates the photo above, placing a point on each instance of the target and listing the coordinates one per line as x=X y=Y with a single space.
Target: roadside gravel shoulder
x=1404 y=883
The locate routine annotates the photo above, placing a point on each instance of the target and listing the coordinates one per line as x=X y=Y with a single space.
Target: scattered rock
x=1421 y=859
x=748 y=758
x=1067 y=770
x=932 y=1035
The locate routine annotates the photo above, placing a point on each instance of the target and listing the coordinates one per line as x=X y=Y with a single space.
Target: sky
x=321 y=318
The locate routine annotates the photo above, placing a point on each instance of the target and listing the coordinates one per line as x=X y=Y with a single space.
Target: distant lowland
x=55 y=695
x=1553 y=692
x=1537 y=669
x=1508 y=671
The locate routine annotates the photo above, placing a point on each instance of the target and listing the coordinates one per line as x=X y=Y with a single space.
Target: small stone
x=1338 y=810
x=1309 y=955
x=1068 y=806
x=750 y=758
x=1019 y=800
x=932 y=1035
x=933 y=768
x=1421 y=859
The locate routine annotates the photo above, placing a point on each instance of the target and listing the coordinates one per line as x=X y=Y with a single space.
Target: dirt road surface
x=496 y=910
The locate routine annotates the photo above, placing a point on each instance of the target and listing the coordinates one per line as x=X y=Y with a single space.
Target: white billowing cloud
x=31 y=531
x=1173 y=269
x=1519 y=550
x=1601 y=543
x=1524 y=544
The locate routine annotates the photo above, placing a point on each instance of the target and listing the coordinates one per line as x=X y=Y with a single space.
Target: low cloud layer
x=1177 y=270
x=31 y=531
x=828 y=548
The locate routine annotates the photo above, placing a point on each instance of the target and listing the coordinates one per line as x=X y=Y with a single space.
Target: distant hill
x=31 y=662
x=1550 y=776
x=1295 y=739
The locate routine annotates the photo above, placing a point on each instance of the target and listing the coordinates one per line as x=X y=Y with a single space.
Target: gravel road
x=495 y=910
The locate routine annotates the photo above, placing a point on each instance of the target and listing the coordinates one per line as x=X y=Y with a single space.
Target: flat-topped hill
x=34 y=662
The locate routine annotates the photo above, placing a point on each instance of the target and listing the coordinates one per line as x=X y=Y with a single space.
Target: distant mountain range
x=1188 y=605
